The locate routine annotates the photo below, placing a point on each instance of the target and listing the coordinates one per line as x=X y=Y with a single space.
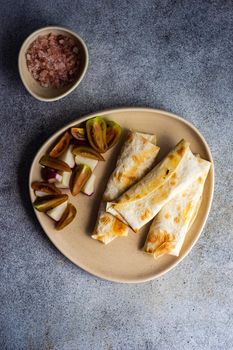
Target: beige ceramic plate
x=122 y=260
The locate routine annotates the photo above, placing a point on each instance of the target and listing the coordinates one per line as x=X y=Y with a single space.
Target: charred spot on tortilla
x=181 y=151
x=164 y=236
x=165 y=243
x=173 y=180
x=140 y=158
x=109 y=227
x=150 y=251
x=165 y=248
x=167 y=171
x=126 y=178
x=144 y=140
x=135 y=158
x=104 y=219
x=152 y=238
x=118 y=176
x=129 y=138
x=162 y=195
x=200 y=180
x=118 y=227
x=100 y=238
x=145 y=214
x=171 y=156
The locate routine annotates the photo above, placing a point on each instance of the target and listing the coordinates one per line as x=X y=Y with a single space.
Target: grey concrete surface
x=173 y=55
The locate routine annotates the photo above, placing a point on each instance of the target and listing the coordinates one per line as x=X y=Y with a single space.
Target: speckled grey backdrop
x=174 y=55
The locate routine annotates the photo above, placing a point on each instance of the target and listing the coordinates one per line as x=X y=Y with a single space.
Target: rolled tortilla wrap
x=171 y=224
x=137 y=144
x=172 y=175
x=136 y=158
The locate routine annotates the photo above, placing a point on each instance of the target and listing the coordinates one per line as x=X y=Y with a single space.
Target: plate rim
x=209 y=204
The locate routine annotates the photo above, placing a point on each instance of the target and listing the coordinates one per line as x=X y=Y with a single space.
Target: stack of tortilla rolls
x=169 y=193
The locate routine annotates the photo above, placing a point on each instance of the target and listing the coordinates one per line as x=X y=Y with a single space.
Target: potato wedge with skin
x=45 y=187
x=113 y=133
x=67 y=217
x=96 y=134
x=61 y=146
x=78 y=133
x=46 y=203
x=80 y=175
x=88 y=152
x=54 y=163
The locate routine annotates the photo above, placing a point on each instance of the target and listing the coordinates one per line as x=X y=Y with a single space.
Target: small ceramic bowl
x=33 y=87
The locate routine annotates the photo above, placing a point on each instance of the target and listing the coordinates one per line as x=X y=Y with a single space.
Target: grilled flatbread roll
x=137 y=157
x=142 y=202
x=135 y=160
x=170 y=226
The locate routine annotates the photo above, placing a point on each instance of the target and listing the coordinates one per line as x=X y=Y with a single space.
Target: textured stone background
x=174 y=55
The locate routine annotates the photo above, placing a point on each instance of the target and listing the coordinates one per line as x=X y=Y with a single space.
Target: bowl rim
x=20 y=57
